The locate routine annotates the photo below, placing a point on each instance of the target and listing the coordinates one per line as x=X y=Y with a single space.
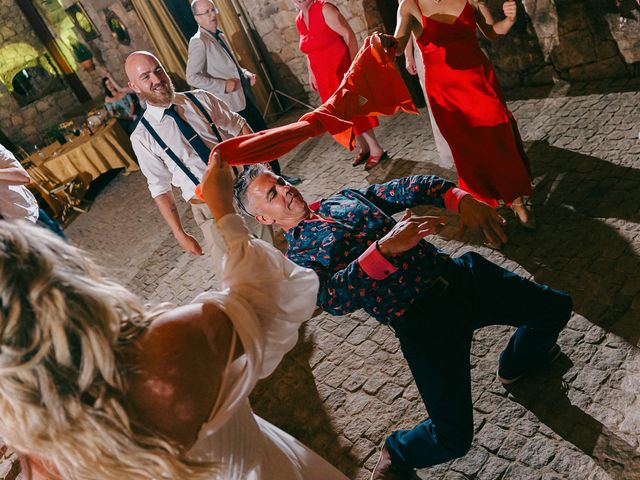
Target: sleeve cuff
x=453 y=197
x=374 y=264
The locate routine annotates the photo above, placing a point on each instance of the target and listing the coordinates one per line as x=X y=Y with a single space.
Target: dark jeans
x=435 y=337
x=256 y=121
x=46 y=221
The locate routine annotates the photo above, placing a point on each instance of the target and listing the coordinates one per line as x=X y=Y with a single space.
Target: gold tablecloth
x=107 y=149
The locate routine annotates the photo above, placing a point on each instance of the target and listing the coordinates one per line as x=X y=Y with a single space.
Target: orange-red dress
x=470 y=111
x=328 y=58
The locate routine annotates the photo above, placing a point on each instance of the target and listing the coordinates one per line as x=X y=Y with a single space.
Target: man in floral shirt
x=433 y=302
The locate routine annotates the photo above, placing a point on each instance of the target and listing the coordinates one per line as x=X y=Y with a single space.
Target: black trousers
x=256 y=121
x=435 y=337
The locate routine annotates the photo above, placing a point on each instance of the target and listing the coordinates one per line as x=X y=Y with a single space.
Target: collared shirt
x=162 y=172
x=343 y=251
x=16 y=201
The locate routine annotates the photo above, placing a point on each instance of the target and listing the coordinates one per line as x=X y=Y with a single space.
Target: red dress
x=468 y=106
x=328 y=58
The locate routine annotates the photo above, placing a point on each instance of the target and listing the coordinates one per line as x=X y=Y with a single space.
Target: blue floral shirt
x=342 y=247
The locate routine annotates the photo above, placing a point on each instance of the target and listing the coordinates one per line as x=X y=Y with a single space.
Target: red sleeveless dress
x=328 y=57
x=468 y=106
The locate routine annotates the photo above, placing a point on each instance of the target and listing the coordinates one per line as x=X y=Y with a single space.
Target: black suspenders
x=168 y=150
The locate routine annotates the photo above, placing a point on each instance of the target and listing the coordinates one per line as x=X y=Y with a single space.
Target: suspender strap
x=204 y=112
x=169 y=152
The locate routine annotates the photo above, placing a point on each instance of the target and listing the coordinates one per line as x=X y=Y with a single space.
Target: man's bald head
x=148 y=78
x=206 y=14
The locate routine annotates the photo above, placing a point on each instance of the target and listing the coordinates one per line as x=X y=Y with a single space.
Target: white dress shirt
x=16 y=201
x=159 y=169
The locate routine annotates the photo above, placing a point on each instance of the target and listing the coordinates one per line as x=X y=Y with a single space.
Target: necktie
x=222 y=43
x=190 y=134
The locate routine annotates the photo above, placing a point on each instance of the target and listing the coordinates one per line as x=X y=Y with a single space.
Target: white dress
x=267 y=297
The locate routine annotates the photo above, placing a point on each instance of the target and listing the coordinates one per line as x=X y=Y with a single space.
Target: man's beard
x=160 y=97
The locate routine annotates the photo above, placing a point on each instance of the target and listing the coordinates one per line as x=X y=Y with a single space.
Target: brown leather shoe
x=384 y=469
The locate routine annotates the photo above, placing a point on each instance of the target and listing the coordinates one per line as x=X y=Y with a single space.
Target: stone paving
x=346 y=386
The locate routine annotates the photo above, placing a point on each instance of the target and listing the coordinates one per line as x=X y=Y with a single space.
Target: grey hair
x=241 y=187
x=64 y=331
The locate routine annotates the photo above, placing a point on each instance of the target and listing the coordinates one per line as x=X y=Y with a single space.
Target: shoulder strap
x=169 y=152
x=204 y=112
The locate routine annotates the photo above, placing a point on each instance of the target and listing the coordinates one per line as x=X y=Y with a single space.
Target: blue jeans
x=435 y=337
x=46 y=221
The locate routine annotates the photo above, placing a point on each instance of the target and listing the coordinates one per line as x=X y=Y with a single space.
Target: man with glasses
x=212 y=66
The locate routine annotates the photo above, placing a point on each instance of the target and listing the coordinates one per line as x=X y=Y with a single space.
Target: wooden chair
x=63 y=198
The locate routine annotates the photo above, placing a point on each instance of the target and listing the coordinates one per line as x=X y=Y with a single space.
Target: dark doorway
x=180 y=10
x=388 y=10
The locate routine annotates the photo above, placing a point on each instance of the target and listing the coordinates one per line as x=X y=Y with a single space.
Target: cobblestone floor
x=345 y=386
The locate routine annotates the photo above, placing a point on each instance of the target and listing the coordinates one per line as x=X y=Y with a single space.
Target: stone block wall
x=571 y=40
x=275 y=26
x=27 y=125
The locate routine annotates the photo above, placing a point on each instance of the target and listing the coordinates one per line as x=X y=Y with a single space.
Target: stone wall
x=275 y=26
x=572 y=40
x=27 y=125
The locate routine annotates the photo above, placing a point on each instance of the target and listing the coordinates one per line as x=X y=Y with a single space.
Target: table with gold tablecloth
x=107 y=149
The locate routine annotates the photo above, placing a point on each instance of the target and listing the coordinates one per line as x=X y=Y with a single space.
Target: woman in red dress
x=466 y=99
x=330 y=45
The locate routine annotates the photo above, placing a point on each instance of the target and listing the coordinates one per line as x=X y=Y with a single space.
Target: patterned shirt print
x=357 y=219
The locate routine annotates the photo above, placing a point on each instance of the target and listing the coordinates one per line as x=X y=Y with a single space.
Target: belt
x=195 y=201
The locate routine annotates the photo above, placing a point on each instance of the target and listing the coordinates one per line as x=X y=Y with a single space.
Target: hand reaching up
x=217 y=187
x=509 y=8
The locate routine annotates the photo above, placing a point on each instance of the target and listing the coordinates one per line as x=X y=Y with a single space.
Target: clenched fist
x=509 y=8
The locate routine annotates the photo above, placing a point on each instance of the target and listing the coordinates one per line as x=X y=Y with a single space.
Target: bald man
x=172 y=143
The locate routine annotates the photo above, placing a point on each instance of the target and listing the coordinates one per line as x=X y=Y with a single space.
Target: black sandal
x=373 y=161
x=360 y=158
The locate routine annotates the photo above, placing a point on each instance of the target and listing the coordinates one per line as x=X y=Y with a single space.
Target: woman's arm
x=488 y=26
x=339 y=24
x=410 y=59
x=407 y=24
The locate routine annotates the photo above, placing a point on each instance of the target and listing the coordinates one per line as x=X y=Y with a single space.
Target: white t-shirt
x=16 y=201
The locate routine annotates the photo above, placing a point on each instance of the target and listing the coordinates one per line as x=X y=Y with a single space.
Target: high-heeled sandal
x=373 y=161
x=525 y=203
x=360 y=158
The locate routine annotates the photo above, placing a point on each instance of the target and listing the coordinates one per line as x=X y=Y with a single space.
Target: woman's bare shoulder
x=177 y=367
x=409 y=7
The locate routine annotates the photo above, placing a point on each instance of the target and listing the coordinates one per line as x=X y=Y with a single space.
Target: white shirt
x=16 y=201
x=162 y=172
x=266 y=311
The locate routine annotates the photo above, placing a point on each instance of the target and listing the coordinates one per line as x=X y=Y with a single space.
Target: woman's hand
x=217 y=187
x=509 y=8
x=387 y=41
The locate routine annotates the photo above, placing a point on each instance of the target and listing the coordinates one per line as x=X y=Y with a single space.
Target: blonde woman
x=93 y=386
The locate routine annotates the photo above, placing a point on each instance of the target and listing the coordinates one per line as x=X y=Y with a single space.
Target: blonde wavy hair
x=63 y=328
